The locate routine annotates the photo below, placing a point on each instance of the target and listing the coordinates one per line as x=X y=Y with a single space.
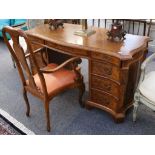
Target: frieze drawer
x=105 y=69
x=68 y=49
x=104 y=99
x=105 y=85
x=37 y=40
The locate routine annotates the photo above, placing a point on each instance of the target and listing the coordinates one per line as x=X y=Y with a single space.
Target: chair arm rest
x=71 y=60
x=36 y=51
x=147 y=60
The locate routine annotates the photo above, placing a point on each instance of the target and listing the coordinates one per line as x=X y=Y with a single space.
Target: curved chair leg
x=136 y=104
x=47 y=115
x=81 y=92
x=27 y=102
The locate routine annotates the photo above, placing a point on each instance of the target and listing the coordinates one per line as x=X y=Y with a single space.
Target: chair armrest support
x=74 y=60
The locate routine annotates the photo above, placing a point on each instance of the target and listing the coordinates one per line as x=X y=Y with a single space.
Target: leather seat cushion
x=147 y=87
x=57 y=80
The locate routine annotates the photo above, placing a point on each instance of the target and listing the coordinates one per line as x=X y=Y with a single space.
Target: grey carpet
x=67 y=117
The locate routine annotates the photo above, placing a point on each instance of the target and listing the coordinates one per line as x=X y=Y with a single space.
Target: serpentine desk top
x=97 y=42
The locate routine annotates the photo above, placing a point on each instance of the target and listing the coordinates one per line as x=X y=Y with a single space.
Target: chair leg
x=81 y=92
x=136 y=104
x=27 y=102
x=47 y=115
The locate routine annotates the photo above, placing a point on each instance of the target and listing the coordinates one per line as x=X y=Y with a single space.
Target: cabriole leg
x=81 y=92
x=27 y=102
x=47 y=115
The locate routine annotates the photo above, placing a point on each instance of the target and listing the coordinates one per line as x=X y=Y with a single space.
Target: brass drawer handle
x=107 y=87
x=107 y=70
x=105 y=100
x=102 y=84
x=101 y=100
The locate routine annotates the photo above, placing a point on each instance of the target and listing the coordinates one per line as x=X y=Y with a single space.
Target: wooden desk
x=113 y=66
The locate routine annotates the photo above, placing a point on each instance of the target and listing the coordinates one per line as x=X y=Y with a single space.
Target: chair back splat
x=23 y=64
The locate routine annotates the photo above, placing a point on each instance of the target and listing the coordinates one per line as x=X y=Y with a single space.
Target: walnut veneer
x=113 y=66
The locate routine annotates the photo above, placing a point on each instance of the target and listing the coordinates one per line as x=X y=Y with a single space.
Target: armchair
x=49 y=80
x=145 y=92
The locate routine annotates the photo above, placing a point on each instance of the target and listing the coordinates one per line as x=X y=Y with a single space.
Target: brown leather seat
x=55 y=81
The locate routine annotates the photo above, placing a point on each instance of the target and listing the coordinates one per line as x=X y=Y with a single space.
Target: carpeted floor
x=67 y=117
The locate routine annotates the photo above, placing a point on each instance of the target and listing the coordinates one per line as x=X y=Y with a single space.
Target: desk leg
x=119 y=118
x=89 y=107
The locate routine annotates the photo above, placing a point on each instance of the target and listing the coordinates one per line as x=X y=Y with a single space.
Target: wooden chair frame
x=20 y=58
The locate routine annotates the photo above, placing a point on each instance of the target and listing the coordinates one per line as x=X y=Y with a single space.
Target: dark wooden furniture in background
x=48 y=81
x=113 y=66
x=98 y=22
x=136 y=26
x=72 y=21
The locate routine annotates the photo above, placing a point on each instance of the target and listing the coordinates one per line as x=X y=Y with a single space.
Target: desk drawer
x=105 y=85
x=106 y=58
x=105 y=69
x=104 y=99
x=37 y=40
x=67 y=49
